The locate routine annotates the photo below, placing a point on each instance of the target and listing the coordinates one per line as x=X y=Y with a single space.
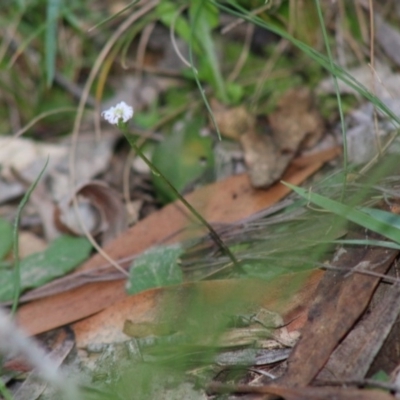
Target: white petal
x=121 y=111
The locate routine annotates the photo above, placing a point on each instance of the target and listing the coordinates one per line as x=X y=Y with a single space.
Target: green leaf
x=235 y=92
x=381 y=376
x=184 y=157
x=204 y=18
x=147 y=119
x=168 y=13
x=53 y=13
x=16 y=273
x=376 y=223
x=383 y=216
x=156 y=267
x=5 y=237
x=62 y=256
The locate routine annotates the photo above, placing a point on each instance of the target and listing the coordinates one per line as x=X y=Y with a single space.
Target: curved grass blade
x=373 y=223
x=240 y=12
x=104 y=21
x=17 y=272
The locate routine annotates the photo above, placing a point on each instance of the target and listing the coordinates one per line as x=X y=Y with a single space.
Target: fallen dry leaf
x=296 y=122
x=29 y=244
x=232 y=122
x=101 y=210
x=149 y=312
x=24 y=155
x=225 y=201
x=264 y=160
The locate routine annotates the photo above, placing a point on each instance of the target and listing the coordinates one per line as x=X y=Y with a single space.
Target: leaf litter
x=188 y=324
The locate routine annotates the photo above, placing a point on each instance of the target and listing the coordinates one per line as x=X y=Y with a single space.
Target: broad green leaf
x=352 y=214
x=61 y=257
x=185 y=157
x=5 y=237
x=156 y=267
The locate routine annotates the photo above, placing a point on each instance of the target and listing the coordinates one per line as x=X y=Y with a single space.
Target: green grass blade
x=369 y=242
x=384 y=216
x=352 y=214
x=336 y=70
x=53 y=13
x=338 y=97
x=6 y=233
x=204 y=19
x=110 y=18
x=17 y=272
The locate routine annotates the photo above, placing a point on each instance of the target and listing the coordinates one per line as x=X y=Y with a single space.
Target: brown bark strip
x=353 y=357
x=303 y=393
x=340 y=300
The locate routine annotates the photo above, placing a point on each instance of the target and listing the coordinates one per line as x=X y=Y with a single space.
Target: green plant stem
x=224 y=248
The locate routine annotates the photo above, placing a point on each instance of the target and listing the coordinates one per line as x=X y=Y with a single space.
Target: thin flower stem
x=224 y=248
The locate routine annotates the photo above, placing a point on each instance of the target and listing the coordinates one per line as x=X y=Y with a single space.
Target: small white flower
x=121 y=112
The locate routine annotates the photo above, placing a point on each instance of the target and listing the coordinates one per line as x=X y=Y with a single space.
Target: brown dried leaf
x=224 y=201
x=149 y=313
x=29 y=243
x=296 y=122
x=232 y=122
x=101 y=210
x=263 y=158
